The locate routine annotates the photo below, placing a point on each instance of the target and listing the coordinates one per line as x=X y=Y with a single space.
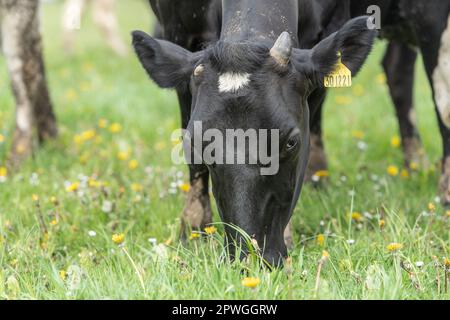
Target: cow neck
x=258 y=20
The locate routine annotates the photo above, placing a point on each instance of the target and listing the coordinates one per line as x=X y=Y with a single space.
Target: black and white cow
x=254 y=77
x=422 y=24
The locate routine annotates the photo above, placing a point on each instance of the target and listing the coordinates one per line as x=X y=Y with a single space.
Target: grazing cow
x=255 y=77
x=22 y=47
x=424 y=24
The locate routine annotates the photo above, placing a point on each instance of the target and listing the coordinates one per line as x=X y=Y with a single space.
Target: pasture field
x=110 y=172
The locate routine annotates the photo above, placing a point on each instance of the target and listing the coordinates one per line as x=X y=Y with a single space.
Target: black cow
x=255 y=77
x=423 y=24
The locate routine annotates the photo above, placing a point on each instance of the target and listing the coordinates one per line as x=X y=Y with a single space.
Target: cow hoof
x=415 y=156
x=444 y=183
x=197 y=210
x=317 y=158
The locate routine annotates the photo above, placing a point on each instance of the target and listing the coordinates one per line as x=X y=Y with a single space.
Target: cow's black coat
x=407 y=25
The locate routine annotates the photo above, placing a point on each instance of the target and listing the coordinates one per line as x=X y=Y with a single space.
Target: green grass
x=95 y=84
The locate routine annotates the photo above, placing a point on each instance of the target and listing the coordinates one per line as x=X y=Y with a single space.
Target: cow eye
x=292 y=143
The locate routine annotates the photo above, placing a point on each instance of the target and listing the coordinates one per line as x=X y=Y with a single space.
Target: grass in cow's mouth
x=104 y=218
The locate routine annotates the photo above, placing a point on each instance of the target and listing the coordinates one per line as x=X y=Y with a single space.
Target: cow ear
x=353 y=42
x=168 y=64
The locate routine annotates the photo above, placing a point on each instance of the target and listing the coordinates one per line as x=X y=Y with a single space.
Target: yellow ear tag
x=341 y=77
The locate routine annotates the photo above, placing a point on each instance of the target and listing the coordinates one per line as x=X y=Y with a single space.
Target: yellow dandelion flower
x=118 y=238
x=381 y=78
x=185 y=187
x=133 y=164
x=71 y=95
x=358 y=217
x=448 y=214
x=2 y=138
x=431 y=207
x=93 y=183
x=169 y=241
x=382 y=223
x=3 y=172
x=194 y=236
x=78 y=139
x=102 y=123
x=414 y=166
x=54 y=200
x=358 y=90
x=35 y=197
x=72 y=187
x=395 y=141
x=137 y=187
x=123 y=155
x=115 y=127
x=394 y=246
x=210 y=230
x=392 y=171
x=14 y=262
x=250 y=282
x=63 y=274
x=84 y=158
x=343 y=100
x=322 y=174
x=446 y=262
x=320 y=240
x=404 y=174
x=325 y=255
x=54 y=222
x=88 y=135
x=357 y=134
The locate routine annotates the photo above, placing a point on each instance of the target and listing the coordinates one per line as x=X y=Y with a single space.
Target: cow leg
x=317 y=157
x=105 y=18
x=398 y=63
x=197 y=210
x=23 y=52
x=288 y=236
x=435 y=47
x=71 y=18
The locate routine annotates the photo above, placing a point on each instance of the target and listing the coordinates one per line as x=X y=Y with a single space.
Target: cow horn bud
x=281 y=50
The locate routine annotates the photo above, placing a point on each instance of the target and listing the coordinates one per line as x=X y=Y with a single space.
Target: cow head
x=255 y=86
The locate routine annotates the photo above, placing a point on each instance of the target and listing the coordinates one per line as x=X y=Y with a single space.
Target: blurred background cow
x=104 y=17
x=22 y=47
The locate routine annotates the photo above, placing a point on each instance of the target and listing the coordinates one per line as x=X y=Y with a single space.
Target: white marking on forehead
x=233 y=81
x=441 y=78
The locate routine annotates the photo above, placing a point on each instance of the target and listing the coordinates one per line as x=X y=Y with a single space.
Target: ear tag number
x=341 y=77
